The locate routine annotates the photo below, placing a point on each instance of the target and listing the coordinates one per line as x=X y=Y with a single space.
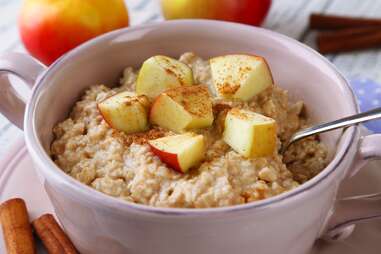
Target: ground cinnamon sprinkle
x=171 y=70
x=143 y=137
x=195 y=99
x=228 y=88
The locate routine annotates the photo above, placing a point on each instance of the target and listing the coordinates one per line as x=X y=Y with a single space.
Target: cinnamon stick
x=16 y=227
x=331 y=22
x=348 y=40
x=347 y=33
x=53 y=237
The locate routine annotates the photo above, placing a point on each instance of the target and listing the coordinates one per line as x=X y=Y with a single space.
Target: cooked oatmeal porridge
x=125 y=166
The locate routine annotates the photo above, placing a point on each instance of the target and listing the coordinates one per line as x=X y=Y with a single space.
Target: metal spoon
x=341 y=123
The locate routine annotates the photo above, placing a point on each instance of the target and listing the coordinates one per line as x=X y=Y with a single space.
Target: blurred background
x=290 y=17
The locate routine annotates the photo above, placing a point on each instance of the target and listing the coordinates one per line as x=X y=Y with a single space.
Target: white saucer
x=18 y=179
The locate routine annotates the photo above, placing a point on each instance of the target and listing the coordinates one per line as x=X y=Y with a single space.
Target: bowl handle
x=351 y=210
x=12 y=104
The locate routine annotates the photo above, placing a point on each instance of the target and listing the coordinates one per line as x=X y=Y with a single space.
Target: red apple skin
x=50 y=28
x=251 y=12
x=168 y=158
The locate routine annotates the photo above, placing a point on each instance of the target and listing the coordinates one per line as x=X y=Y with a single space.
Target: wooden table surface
x=289 y=17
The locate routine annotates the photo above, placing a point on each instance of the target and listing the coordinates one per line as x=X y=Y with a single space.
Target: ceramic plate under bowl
x=18 y=179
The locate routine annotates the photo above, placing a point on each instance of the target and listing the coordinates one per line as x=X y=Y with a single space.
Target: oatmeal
x=124 y=165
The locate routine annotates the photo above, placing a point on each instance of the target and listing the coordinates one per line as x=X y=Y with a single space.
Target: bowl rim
x=105 y=202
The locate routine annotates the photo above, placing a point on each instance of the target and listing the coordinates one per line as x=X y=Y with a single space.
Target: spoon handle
x=340 y=123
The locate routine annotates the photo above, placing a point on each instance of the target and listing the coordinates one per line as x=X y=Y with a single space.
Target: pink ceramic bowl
x=288 y=223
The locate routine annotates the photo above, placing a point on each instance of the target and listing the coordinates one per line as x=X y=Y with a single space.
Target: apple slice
x=183 y=108
x=250 y=134
x=240 y=76
x=160 y=73
x=180 y=152
x=125 y=111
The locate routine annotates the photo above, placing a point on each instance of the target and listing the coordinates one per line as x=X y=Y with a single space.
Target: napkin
x=368 y=93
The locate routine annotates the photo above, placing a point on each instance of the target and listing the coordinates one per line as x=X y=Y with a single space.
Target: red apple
x=251 y=12
x=180 y=152
x=50 y=28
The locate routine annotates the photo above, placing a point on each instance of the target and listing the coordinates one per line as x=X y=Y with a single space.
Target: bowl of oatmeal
x=100 y=145
x=154 y=139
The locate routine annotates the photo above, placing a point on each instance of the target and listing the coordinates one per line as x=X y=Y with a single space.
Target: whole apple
x=251 y=12
x=50 y=28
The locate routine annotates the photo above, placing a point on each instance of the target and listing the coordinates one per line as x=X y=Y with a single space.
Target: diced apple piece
x=180 y=152
x=250 y=134
x=125 y=111
x=240 y=76
x=183 y=108
x=160 y=73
